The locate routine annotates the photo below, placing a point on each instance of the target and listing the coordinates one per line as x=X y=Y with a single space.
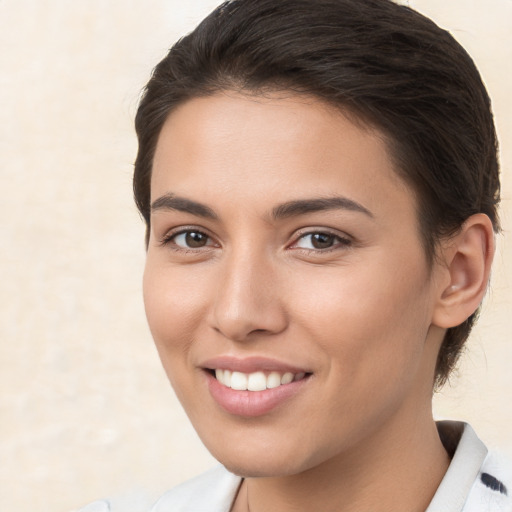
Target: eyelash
x=168 y=240
x=339 y=241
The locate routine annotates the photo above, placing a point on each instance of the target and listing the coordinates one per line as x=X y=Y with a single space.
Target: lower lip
x=252 y=403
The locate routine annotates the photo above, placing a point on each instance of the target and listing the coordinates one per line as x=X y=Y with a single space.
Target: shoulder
x=96 y=506
x=214 y=490
x=477 y=480
x=492 y=489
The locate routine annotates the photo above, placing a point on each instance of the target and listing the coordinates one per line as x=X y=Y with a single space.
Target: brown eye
x=191 y=239
x=322 y=240
x=195 y=239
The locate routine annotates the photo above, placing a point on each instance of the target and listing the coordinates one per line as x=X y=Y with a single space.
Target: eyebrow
x=293 y=208
x=303 y=206
x=172 y=202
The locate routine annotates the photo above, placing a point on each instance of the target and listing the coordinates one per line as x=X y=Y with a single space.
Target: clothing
x=476 y=481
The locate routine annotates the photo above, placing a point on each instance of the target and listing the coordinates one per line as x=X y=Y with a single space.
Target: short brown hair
x=385 y=63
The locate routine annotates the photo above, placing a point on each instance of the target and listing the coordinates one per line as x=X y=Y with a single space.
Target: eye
x=189 y=239
x=319 y=240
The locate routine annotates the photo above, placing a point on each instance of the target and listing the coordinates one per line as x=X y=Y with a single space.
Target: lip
x=250 y=365
x=252 y=403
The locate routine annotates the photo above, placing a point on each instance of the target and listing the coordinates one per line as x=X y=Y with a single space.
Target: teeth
x=256 y=381
x=238 y=381
x=273 y=380
x=287 y=378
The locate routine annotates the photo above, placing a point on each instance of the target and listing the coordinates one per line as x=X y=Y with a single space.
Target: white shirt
x=476 y=481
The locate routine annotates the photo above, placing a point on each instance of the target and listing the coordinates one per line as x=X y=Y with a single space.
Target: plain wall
x=86 y=411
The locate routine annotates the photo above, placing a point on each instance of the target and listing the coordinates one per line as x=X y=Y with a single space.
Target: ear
x=467 y=259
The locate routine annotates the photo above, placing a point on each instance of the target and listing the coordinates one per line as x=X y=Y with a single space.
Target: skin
x=364 y=316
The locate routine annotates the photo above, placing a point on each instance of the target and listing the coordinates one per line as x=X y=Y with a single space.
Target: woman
x=319 y=182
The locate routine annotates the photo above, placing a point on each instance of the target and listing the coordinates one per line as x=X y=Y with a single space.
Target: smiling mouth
x=256 y=381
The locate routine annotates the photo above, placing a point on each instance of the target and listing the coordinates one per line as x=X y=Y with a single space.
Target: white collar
x=469 y=454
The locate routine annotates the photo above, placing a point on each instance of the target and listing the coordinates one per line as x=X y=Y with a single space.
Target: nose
x=248 y=300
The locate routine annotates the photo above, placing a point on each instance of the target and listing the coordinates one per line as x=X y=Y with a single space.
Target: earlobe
x=467 y=264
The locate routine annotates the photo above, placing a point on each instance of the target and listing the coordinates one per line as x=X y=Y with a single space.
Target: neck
x=397 y=470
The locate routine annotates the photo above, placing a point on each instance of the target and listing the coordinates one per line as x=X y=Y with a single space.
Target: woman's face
x=284 y=248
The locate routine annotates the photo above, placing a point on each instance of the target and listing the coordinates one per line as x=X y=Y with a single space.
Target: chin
x=260 y=468
x=264 y=459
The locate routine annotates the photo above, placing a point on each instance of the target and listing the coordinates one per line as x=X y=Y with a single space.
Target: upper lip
x=250 y=364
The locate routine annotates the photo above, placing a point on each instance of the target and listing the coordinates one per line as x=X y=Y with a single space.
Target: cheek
x=369 y=320
x=370 y=332
x=174 y=304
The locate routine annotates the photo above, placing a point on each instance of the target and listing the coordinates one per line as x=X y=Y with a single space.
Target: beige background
x=86 y=411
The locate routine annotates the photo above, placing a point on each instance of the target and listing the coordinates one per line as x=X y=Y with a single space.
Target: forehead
x=272 y=148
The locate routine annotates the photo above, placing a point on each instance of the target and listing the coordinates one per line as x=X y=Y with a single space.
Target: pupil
x=195 y=239
x=322 y=240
